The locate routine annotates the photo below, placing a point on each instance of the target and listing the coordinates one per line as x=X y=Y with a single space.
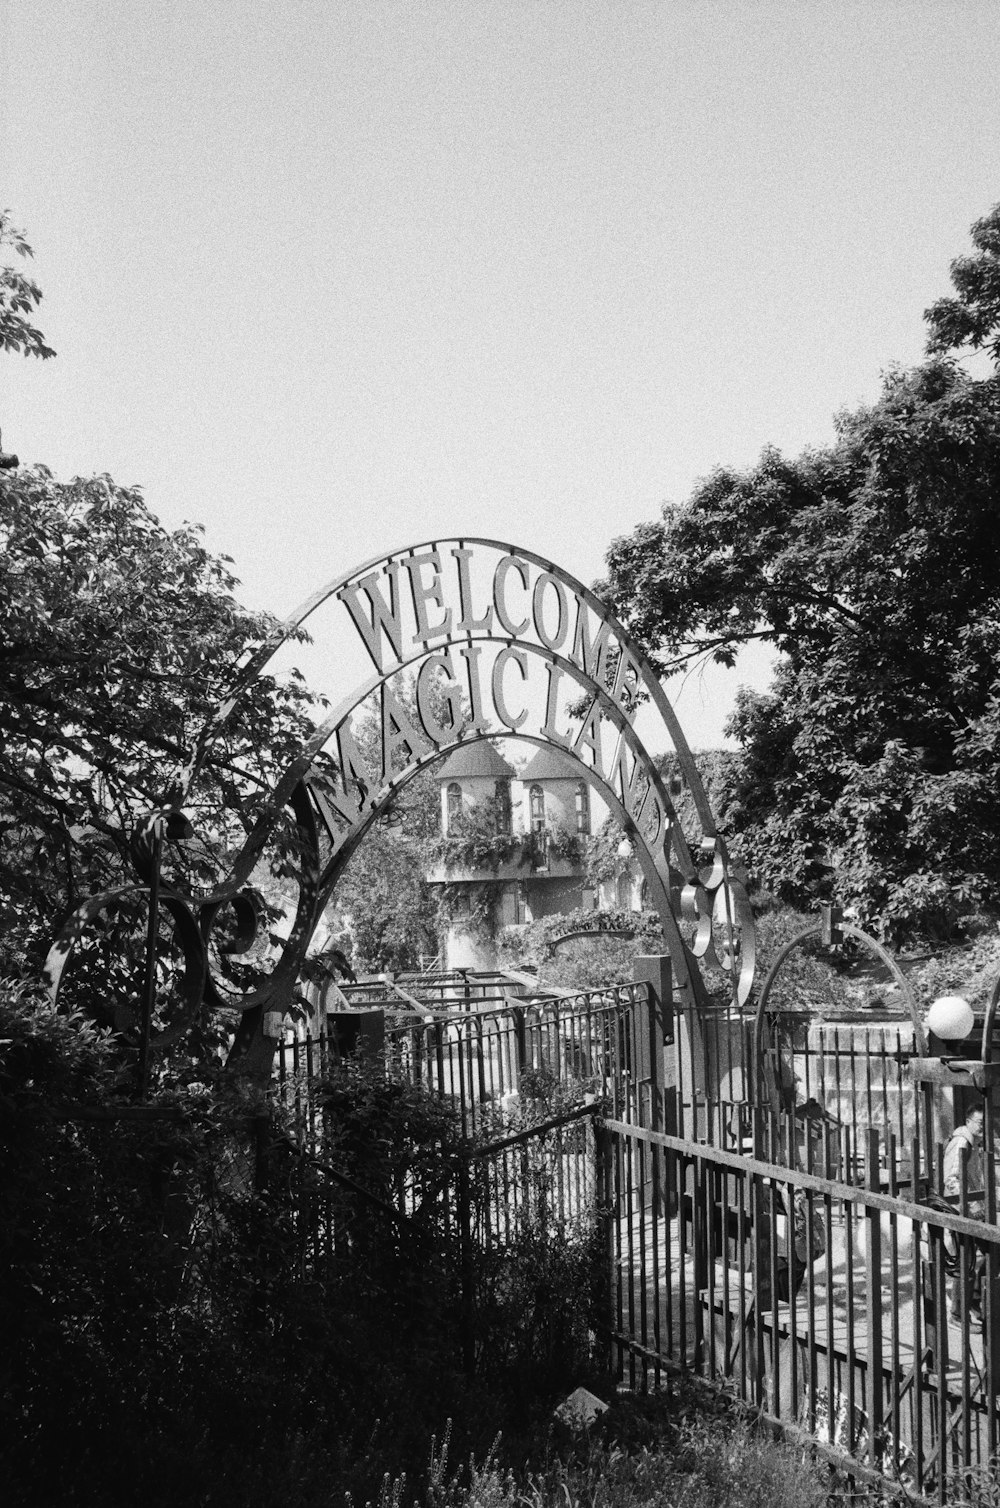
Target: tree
x=869 y=770
x=19 y=297
x=120 y=640
x=383 y=892
x=384 y=895
x=971 y=317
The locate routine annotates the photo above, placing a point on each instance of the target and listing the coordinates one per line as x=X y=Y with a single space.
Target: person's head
x=974 y=1121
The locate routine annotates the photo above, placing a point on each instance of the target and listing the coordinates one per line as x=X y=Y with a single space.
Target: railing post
x=520 y=1037
x=874 y=1300
x=652 y=1029
x=606 y=1215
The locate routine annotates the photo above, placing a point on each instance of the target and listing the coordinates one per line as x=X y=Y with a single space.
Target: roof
x=479 y=760
x=551 y=764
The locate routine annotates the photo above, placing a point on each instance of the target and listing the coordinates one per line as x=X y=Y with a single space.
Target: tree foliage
x=869 y=770
x=120 y=640
x=19 y=298
x=383 y=895
x=971 y=316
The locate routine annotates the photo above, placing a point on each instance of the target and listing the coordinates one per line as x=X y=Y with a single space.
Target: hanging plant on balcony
x=562 y=844
x=477 y=839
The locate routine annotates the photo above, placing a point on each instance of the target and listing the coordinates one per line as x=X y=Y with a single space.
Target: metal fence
x=846 y=1314
x=497 y=1061
x=837 y=1080
x=515 y=1162
x=802 y=1262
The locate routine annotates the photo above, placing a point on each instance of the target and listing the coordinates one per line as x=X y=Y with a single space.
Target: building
x=514 y=846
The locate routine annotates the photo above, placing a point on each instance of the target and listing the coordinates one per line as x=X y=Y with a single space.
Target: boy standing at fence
x=963 y=1168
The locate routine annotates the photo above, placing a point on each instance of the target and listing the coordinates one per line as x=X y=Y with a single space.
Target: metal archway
x=774 y=1079
x=510 y=612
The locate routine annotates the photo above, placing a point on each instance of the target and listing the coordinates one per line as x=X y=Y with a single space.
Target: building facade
x=515 y=846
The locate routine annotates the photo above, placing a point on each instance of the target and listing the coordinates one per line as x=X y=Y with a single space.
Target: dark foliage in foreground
x=172 y=1330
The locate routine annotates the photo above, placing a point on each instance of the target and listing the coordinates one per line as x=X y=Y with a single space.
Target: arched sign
x=468 y=639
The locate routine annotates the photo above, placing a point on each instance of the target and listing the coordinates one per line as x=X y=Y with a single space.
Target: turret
x=517 y=859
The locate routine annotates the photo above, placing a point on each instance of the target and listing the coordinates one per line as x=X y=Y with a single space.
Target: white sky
x=334 y=275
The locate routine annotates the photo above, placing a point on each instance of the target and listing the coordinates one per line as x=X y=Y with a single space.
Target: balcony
x=545 y=854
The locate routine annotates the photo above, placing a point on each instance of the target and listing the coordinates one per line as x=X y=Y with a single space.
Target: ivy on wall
x=475 y=906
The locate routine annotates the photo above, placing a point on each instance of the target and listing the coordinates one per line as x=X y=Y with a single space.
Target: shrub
x=177 y=1330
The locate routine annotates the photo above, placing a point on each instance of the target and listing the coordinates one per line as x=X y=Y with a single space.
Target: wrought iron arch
x=602 y=660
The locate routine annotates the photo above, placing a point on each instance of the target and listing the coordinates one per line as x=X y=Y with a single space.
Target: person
x=801 y=1238
x=963 y=1167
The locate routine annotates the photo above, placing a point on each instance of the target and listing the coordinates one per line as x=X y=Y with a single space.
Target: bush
x=176 y=1330
x=536 y=946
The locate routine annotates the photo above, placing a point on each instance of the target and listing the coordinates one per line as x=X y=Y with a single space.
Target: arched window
x=624 y=893
x=582 y=808
x=536 y=806
x=454 y=806
x=503 y=806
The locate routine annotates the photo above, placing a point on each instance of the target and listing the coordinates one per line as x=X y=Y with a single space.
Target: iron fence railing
x=838 y=1081
x=775 y=1228
x=497 y=1065
x=524 y=1082
x=849 y=1315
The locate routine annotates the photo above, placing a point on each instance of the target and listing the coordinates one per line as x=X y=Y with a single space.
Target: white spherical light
x=950 y=1017
x=625 y=849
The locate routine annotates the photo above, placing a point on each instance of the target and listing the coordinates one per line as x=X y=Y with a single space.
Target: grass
x=662 y=1452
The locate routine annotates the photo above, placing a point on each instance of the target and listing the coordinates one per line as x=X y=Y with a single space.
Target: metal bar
x=873 y=1305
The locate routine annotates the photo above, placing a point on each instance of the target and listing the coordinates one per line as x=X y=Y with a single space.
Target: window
x=536 y=806
x=454 y=806
x=582 y=808
x=503 y=806
x=624 y=892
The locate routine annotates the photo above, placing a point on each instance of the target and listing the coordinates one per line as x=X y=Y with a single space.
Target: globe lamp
x=950 y=1017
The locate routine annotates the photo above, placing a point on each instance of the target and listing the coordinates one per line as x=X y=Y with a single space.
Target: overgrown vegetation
x=581 y=963
x=196 y=1312
x=667 y=1450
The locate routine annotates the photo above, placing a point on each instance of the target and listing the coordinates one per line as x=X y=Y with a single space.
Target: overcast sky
x=329 y=276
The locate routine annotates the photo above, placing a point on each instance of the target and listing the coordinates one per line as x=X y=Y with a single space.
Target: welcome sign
x=474 y=638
